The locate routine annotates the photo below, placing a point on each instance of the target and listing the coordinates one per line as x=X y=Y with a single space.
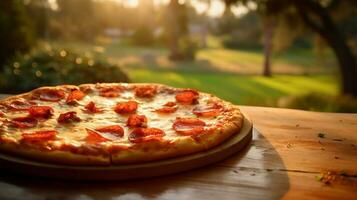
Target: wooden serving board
x=132 y=171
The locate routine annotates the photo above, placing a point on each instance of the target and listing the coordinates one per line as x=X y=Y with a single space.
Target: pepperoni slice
x=53 y=95
x=207 y=111
x=169 y=107
x=139 y=135
x=187 y=96
x=94 y=137
x=126 y=107
x=74 y=96
x=86 y=88
x=39 y=136
x=136 y=121
x=20 y=105
x=188 y=126
x=68 y=117
x=2 y=114
x=110 y=91
x=91 y=107
x=41 y=111
x=145 y=91
x=24 y=122
x=110 y=94
x=114 y=130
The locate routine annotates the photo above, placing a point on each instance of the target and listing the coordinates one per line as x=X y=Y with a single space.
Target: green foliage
x=188 y=48
x=75 y=19
x=39 y=12
x=321 y=102
x=143 y=36
x=57 y=66
x=16 y=33
x=175 y=25
x=241 y=33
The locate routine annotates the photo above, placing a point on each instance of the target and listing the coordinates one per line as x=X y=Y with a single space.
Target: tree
x=16 y=33
x=269 y=27
x=176 y=27
x=77 y=19
x=317 y=15
x=39 y=11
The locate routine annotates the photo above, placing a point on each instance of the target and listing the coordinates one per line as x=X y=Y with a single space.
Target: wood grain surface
x=286 y=160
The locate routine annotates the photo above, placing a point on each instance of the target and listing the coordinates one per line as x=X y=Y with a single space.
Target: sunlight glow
x=53 y=4
x=129 y=3
x=215 y=10
x=132 y=3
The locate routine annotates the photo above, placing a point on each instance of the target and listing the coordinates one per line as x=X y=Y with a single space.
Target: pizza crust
x=229 y=125
x=58 y=157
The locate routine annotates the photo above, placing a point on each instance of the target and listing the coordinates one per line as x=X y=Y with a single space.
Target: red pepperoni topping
x=94 y=137
x=169 y=107
x=2 y=114
x=146 y=134
x=126 y=107
x=136 y=121
x=91 y=107
x=39 y=136
x=68 y=117
x=170 y=104
x=187 y=96
x=110 y=94
x=41 y=111
x=188 y=126
x=24 y=122
x=145 y=91
x=114 y=130
x=20 y=105
x=110 y=91
x=207 y=111
x=86 y=88
x=74 y=96
x=52 y=94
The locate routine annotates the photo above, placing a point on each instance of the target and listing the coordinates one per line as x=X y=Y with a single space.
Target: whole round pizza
x=114 y=123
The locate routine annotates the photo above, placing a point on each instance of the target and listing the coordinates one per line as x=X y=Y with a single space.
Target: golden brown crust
x=60 y=157
x=229 y=123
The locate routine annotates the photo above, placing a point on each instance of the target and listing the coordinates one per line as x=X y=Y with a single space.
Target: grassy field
x=233 y=75
x=242 y=89
x=214 y=58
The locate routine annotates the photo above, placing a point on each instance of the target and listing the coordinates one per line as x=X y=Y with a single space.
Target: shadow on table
x=254 y=173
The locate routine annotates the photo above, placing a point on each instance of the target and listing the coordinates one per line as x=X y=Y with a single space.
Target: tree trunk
x=346 y=61
x=174 y=53
x=268 y=39
x=173 y=29
x=328 y=30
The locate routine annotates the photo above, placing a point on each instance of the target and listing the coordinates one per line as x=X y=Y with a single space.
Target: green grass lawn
x=242 y=89
x=233 y=75
x=214 y=58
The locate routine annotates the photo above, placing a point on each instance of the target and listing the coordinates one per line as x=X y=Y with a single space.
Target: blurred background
x=295 y=54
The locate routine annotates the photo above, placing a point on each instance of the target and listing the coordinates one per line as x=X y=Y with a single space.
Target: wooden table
x=286 y=159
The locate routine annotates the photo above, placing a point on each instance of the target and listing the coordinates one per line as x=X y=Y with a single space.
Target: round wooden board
x=133 y=171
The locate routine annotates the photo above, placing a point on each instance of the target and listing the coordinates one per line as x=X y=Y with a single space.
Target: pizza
x=114 y=123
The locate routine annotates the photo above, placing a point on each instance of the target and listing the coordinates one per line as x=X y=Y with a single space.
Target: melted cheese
x=75 y=133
